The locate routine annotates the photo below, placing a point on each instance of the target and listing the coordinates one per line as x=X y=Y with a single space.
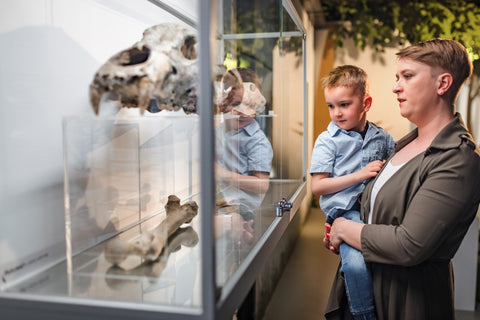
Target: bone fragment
x=150 y=243
x=182 y=237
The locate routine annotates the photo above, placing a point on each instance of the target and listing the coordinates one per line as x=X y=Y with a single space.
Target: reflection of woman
x=244 y=154
x=421 y=204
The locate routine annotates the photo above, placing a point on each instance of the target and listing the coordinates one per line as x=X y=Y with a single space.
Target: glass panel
x=288 y=104
x=288 y=23
x=259 y=125
x=118 y=177
x=241 y=17
x=120 y=168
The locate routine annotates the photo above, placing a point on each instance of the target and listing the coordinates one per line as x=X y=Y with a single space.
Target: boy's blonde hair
x=449 y=55
x=348 y=76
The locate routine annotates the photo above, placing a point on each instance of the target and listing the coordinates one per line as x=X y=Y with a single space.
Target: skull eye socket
x=135 y=56
x=188 y=49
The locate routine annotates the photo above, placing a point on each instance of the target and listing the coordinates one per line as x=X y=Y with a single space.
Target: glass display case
x=168 y=212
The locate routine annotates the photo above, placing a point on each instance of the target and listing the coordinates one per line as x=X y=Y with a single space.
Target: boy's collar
x=333 y=129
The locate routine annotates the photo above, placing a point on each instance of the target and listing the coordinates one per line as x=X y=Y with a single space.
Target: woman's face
x=416 y=90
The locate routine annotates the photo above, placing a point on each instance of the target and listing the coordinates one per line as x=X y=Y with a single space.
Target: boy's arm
x=258 y=182
x=323 y=184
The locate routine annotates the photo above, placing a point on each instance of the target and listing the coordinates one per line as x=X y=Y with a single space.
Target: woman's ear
x=445 y=81
x=367 y=103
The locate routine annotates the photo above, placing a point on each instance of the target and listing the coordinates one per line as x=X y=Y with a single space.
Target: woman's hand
x=332 y=239
x=343 y=230
x=335 y=234
x=326 y=239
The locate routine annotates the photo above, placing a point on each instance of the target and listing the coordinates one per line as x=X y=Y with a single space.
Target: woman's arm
x=438 y=210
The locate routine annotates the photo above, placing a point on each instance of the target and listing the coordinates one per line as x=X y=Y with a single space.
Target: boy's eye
x=329 y=106
x=345 y=104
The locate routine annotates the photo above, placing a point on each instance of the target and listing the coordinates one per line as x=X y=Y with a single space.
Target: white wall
x=50 y=50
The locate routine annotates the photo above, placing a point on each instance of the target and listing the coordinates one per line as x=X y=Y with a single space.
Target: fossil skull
x=161 y=67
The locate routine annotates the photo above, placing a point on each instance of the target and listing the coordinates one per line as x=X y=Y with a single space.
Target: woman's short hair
x=449 y=55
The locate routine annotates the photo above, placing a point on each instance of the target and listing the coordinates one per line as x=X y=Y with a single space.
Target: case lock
x=283 y=205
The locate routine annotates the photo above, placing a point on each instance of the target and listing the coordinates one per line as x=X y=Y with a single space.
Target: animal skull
x=161 y=66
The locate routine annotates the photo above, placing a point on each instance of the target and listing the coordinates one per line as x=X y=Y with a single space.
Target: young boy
x=344 y=159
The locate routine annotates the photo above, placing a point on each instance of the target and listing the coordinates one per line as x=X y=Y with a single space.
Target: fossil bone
x=182 y=237
x=161 y=67
x=150 y=243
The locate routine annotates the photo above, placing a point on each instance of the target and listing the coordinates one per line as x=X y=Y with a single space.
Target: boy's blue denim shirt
x=340 y=152
x=243 y=151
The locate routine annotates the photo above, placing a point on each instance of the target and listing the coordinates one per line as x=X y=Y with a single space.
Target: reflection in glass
x=243 y=157
x=261 y=37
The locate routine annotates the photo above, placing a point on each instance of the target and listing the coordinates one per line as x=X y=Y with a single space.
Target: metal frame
x=207 y=182
x=176 y=13
x=288 y=5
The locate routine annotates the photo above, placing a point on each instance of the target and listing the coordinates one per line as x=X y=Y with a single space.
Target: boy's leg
x=334 y=214
x=358 y=281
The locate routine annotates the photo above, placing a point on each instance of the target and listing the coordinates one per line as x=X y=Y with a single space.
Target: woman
x=419 y=207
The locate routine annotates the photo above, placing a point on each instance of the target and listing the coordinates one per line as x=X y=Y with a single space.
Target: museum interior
x=169 y=175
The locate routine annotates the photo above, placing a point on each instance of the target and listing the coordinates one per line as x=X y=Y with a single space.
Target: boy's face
x=238 y=120
x=347 y=109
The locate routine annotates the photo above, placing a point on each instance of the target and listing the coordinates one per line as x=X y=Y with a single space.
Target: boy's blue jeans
x=358 y=281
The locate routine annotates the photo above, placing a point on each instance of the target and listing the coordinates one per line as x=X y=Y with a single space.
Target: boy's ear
x=445 y=81
x=367 y=103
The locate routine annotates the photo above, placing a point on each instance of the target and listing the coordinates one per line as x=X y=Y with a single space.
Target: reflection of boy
x=344 y=159
x=243 y=152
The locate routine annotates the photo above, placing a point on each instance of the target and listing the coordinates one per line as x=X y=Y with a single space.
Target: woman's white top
x=382 y=178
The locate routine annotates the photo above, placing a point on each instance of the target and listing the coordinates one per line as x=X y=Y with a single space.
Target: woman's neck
x=429 y=129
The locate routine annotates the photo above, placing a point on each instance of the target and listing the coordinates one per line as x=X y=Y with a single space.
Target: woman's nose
x=396 y=87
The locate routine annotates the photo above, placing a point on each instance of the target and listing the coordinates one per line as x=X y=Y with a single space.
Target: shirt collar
x=251 y=128
x=452 y=135
x=333 y=129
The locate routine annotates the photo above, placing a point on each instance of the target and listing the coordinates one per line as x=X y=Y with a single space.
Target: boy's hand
x=371 y=169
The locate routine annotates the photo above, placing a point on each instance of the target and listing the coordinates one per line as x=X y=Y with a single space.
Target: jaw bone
x=161 y=67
